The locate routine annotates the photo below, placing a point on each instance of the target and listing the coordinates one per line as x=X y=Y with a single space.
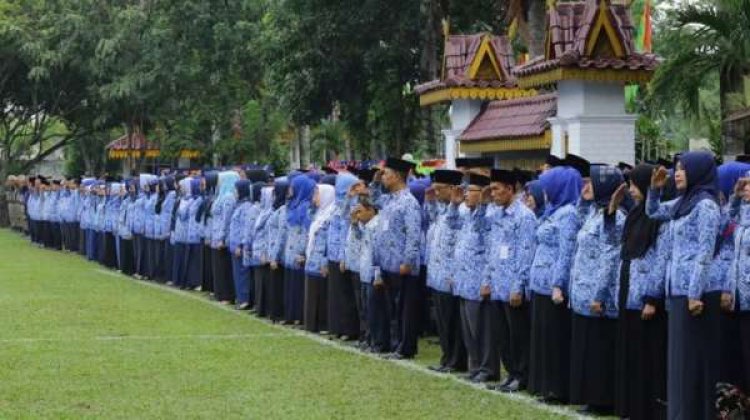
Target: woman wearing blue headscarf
x=240 y=272
x=593 y=293
x=164 y=250
x=126 y=256
x=208 y=185
x=179 y=232
x=534 y=198
x=111 y=216
x=259 y=252
x=153 y=257
x=693 y=302
x=193 y=269
x=246 y=238
x=218 y=234
x=343 y=320
x=549 y=366
x=299 y=215
x=276 y=233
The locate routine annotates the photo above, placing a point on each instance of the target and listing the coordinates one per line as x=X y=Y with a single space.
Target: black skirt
x=192 y=272
x=222 y=274
x=294 y=295
x=261 y=275
x=110 y=250
x=316 y=305
x=549 y=368
x=342 y=309
x=592 y=361
x=126 y=256
x=276 y=294
x=207 y=280
x=640 y=359
x=693 y=358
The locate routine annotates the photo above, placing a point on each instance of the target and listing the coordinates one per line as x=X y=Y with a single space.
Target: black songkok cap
x=504 y=176
x=580 y=164
x=399 y=165
x=475 y=162
x=478 y=180
x=447 y=176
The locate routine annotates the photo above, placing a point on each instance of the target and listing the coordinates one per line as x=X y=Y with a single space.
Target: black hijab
x=280 y=190
x=212 y=178
x=257 y=189
x=640 y=231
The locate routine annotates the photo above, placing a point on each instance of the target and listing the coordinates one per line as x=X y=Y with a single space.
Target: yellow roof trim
x=511 y=144
x=603 y=22
x=485 y=50
x=478 y=93
x=586 y=74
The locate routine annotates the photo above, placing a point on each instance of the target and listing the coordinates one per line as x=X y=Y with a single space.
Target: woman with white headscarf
x=221 y=215
x=316 y=264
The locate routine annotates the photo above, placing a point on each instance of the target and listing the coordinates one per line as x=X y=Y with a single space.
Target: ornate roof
x=137 y=142
x=588 y=35
x=476 y=66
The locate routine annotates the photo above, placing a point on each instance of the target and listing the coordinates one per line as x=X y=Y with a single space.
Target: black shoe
x=508 y=379
x=469 y=376
x=439 y=369
x=397 y=356
x=482 y=378
x=513 y=386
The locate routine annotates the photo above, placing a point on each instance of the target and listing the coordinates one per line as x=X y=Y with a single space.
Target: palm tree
x=703 y=39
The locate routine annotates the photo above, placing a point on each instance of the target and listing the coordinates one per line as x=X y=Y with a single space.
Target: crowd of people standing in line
x=625 y=290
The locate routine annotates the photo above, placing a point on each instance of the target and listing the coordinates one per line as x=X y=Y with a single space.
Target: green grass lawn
x=77 y=340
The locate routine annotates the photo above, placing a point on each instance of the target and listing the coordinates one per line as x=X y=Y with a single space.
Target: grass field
x=77 y=340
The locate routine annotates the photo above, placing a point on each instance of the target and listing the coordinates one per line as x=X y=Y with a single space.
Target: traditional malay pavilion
x=136 y=148
x=571 y=100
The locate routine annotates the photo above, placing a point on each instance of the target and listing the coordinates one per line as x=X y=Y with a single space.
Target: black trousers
x=276 y=294
x=222 y=274
x=110 y=250
x=379 y=318
x=101 y=247
x=261 y=277
x=316 y=303
x=404 y=294
x=55 y=235
x=139 y=248
x=358 y=303
x=479 y=327
x=448 y=320
x=515 y=333
x=81 y=240
x=694 y=358
x=342 y=308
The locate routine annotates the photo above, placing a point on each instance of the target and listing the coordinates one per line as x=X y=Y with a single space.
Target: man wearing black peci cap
x=480 y=166
x=580 y=164
x=441 y=238
x=511 y=249
x=478 y=314
x=552 y=161
x=400 y=224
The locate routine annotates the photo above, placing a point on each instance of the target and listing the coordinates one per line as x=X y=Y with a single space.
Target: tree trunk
x=730 y=81
x=4 y=211
x=306 y=146
x=536 y=26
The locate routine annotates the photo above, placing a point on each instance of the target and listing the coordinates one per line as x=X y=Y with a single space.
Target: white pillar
x=451 y=147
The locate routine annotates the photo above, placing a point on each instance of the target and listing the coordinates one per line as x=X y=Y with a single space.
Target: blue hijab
x=534 y=188
x=329 y=180
x=700 y=169
x=343 y=183
x=417 y=188
x=298 y=210
x=227 y=179
x=243 y=190
x=605 y=180
x=280 y=189
x=729 y=173
x=562 y=185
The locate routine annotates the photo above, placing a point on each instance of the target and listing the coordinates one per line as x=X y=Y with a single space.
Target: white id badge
x=504 y=252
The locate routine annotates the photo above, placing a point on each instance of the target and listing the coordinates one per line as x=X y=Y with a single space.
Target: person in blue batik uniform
x=193 y=270
x=124 y=228
x=401 y=224
x=138 y=226
x=259 y=253
x=342 y=316
x=641 y=354
x=111 y=217
x=534 y=198
x=549 y=366
x=365 y=216
x=240 y=272
x=247 y=236
x=593 y=293
x=299 y=217
x=276 y=234
x=441 y=240
x=164 y=210
x=478 y=314
x=153 y=257
x=511 y=246
x=316 y=263
x=694 y=304
x=740 y=282
x=209 y=188
x=218 y=235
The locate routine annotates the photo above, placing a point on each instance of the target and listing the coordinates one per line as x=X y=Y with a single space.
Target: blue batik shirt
x=470 y=254
x=163 y=226
x=693 y=243
x=648 y=274
x=441 y=241
x=237 y=225
x=718 y=274
x=401 y=226
x=316 y=254
x=221 y=216
x=594 y=276
x=195 y=233
x=555 y=246
x=511 y=246
x=338 y=229
x=277 y=227
x=248 y=236
x=372 y=237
